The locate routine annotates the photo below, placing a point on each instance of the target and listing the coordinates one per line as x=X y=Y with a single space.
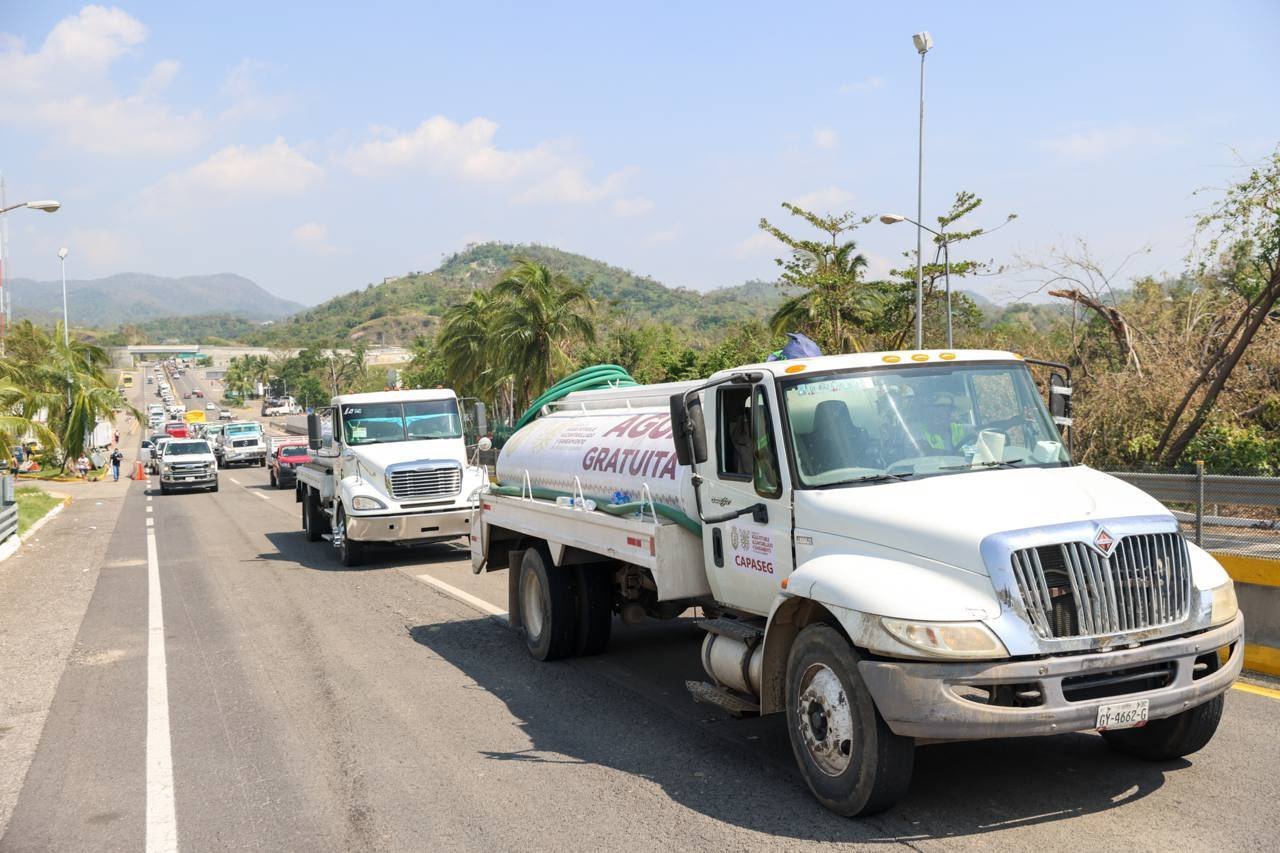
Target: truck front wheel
x=1172 y=737
x=853 y=763
x=546 y=606
x=350 y=552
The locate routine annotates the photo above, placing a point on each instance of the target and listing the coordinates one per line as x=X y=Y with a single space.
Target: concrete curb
x=1258 y=589
x=14 y=543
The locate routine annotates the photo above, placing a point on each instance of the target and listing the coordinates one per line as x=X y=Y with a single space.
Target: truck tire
x=546 y=606
x=1172 y=737
x=350 y=552
x=847 y=754
x=311 y=516
x=275 y=484
x=214 y=487
x=594 y=588
x=164 y=490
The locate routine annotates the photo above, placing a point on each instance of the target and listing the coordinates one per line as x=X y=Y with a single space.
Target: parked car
x=285 y=461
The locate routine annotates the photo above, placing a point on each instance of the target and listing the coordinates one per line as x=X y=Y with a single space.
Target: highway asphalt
x=314 y=708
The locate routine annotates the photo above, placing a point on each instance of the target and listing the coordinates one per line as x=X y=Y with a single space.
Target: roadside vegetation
x=33 y=504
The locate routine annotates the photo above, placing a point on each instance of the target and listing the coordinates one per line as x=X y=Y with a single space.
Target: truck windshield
x=889 y=424
x=379 y=423
x=185 y=448
x=243 y=429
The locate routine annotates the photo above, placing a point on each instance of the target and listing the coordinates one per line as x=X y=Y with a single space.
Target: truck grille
x=435 y=482
x=1071 y=590
x=244 y=442
x=181 y=469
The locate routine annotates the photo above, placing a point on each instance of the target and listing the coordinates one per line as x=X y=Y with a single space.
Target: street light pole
x=66 y=327
x=923 y=42
x=6 y=298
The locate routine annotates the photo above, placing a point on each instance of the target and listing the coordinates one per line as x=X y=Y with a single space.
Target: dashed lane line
x=465 y=597
x=234 y=480
x=162 y=820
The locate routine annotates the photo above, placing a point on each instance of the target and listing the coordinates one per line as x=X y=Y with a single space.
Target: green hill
x=400 y=309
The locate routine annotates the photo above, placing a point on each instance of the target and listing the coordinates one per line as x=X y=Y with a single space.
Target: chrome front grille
x=244 y=442
x=433 y=482
x=187 y=468
x=1071 y=590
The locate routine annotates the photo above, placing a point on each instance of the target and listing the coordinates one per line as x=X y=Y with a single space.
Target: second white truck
x=387 y=468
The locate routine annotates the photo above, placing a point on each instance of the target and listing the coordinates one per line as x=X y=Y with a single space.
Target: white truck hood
x=945 y=518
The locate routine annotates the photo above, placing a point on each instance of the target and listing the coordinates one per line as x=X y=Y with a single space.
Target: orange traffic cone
x=139 y=473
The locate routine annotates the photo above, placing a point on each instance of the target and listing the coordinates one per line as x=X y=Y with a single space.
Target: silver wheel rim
x=825 y=720
x=531 y=604
x=339 y=531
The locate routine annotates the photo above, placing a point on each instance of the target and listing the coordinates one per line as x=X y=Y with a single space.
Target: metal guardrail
x=8 y=508
x=1210 y=488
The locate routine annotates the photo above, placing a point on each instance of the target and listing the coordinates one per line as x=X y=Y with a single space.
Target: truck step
x=734 y=629
x=721 y=697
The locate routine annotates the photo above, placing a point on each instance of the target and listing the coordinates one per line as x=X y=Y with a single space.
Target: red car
x=284 y=464
x=176 y=429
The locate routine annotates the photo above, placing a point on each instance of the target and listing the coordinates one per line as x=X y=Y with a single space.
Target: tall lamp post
x=894 y=218
x=48 y=206
x=923 y=42
x=66 y=328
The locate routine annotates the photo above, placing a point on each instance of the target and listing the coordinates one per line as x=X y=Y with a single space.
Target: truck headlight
x=1225 y=606
x=363 y=502
x=947 y=639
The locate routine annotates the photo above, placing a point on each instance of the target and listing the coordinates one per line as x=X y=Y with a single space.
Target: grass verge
x=33 y=503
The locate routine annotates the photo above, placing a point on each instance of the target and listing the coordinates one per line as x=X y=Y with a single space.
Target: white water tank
x=614 y=441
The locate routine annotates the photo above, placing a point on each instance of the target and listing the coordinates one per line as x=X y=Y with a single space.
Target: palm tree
x=539 y=315
x=466 y=344
x=836 y=304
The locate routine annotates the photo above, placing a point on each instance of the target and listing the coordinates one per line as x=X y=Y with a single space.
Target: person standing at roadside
x=116 y=458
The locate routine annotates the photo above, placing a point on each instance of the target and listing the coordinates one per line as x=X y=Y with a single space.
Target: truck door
x=747 y=558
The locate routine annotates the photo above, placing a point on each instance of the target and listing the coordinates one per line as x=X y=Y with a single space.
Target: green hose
x=665 y=510
x=595 y=378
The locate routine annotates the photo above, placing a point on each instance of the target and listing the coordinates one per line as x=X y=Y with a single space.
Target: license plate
x=1123 y=715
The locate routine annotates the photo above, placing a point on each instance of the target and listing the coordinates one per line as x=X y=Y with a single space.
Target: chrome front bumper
x=920 y=699
x=422 y=526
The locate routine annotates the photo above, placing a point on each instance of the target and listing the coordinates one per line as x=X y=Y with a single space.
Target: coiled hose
x=594 y=378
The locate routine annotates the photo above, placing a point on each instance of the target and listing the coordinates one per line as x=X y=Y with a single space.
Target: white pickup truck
x=387 y=467
x=187 y=463
x=889 y=548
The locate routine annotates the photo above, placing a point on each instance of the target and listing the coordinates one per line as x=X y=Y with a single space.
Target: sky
x=318 y=147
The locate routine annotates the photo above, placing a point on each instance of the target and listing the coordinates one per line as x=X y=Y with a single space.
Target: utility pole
x=923 y=42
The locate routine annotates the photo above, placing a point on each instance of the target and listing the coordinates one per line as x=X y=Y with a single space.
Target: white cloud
x=100 y=250
x=236 y=173
x=825 y=138
x=826 y=200
x=758 y=245
x=314 y=237
x=866 y=84
x=546 y=173
x=1098 y=142
x=64 y=87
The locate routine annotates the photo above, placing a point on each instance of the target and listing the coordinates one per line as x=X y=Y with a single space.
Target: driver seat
x=834 y=438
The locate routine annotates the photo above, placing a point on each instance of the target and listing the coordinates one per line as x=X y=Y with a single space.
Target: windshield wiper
x=994 y=463
x=873 y=478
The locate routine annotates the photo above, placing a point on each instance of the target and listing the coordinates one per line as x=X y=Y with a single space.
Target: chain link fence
x=1231 y=512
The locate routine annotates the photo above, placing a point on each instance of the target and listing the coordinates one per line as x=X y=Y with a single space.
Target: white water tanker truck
x=889 y=548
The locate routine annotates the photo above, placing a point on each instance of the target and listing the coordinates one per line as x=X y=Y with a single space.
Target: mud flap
x=514 y=559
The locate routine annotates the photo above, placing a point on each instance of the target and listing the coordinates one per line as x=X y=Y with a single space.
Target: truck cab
x=242 y=443
x=896 y=547
x=388 y=467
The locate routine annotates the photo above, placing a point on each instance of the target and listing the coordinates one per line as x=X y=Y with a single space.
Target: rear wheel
x=847 y=754
x=350 y=552
x=311 y=523
x=1172 y=737
x=546 y=606
x=275 y=484
x=594 y=588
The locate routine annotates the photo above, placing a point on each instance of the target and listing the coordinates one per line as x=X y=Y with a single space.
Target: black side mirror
x=688 y=430
x=314 y=439
x=1059 y=399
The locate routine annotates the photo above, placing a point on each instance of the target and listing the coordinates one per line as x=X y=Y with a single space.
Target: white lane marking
x=150 y=509
x=260 y=495
x=162 y=820
x=151 y=522
x=465 y=597
x=234 y=480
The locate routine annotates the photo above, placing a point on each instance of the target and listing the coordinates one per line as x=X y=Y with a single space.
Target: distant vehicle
x=157 y=447
x=242 y=442
x=188 y=465
x=198 y=393
x=176 y=429
x=149 y=380
x=285 y=461
x=212 y=407
x=127 y=380
x=193 y=416
x=225 y=415
x=186 y=396
x=210 y=432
